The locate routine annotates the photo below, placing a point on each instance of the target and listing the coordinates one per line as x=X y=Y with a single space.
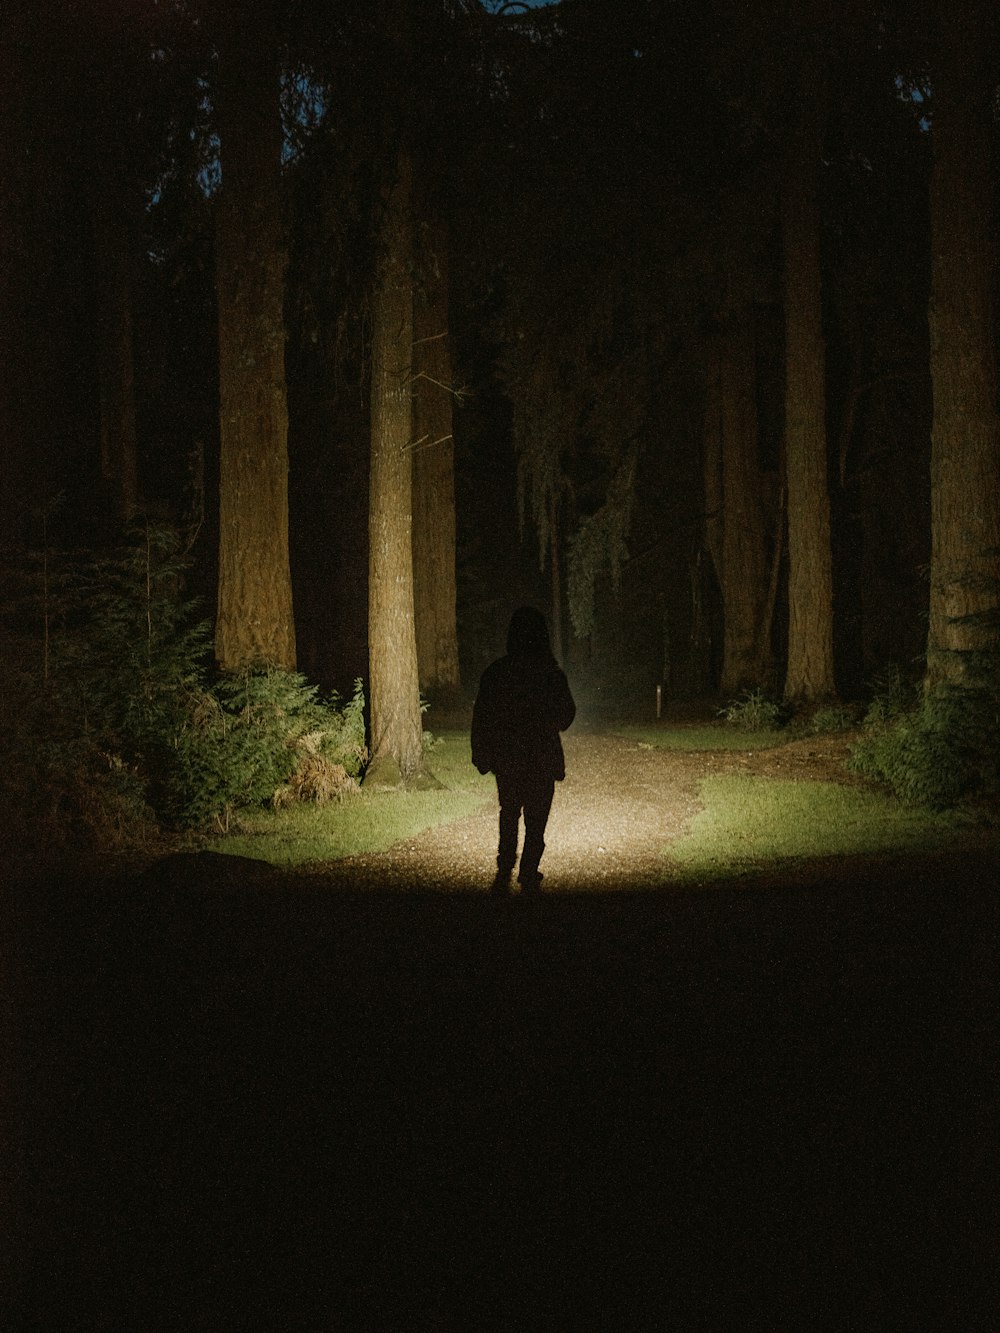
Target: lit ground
x=622 y=804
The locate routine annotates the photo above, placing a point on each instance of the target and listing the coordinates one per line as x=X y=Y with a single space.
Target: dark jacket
x=523 y=703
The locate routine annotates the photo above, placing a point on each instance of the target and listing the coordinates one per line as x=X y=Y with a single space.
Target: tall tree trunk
x=810 y=675
x=711 y=457
x=396 y=740
x=964 y=629
x=114 y=213
x=32 y=158
x=736 y=532
x=254 y=622
x=434 y=591
x=115 y=346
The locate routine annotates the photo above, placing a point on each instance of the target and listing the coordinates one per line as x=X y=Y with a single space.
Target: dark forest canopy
x=686 y=244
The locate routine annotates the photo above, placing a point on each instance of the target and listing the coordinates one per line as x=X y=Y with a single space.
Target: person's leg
x=537 y=804
x=509 y=796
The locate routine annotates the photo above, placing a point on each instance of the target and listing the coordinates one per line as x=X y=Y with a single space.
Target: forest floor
x=622 y=804
x=237 y=1098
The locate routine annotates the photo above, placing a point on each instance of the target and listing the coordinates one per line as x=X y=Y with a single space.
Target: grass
x=749 y=824
x=366 y=821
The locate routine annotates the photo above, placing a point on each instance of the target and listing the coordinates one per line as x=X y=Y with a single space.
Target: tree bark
x=735 y=526
x=809 y=674
x=964 y=625
x=434 y=590
x=115 y=345
x=711 y=457
x=254 y=624
x=396 y=733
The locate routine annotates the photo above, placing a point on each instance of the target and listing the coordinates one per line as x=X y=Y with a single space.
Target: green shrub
x=895 y=695
x=100 y=653
x=69 y=796
x=109 y=719
x=753 y=711
x=834 y=718
x=244 y=741
x=944 y=751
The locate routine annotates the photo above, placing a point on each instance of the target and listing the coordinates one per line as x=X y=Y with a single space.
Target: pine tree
x=964 y=630
x=809 y=676
x=254 y=623
x=434 y=590
x=736 y=511
x=394 y=692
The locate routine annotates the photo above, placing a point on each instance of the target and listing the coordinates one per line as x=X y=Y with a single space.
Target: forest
x=334 y=331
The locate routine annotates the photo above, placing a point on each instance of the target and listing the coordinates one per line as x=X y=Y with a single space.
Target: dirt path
x=621 y=804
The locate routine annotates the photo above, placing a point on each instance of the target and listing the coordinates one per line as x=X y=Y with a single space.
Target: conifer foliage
x=115 y=724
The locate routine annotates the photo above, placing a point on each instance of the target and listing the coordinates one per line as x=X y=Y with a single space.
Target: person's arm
x=483 y=728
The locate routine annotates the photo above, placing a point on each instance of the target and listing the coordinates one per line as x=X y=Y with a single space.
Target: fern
x=111 y=718
x=753 y=711
x=943 y=751
x=245 y=740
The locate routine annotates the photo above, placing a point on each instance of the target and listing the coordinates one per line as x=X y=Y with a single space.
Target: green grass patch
x=702 y=737
x=365 y=821
x=749 y=824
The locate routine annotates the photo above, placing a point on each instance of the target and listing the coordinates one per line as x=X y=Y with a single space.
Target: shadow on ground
x=246 y=1102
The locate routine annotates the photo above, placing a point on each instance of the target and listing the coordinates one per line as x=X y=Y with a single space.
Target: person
x=523 y=703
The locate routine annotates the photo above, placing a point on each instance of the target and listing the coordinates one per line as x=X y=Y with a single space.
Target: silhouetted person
x=524 y=702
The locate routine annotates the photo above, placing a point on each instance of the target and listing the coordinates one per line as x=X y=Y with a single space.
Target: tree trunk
x=396 y=740
x=434 y=591
x=115 y=347
x=711 y=457
x=964 y=629
x=114 y=214
x=735 y=531
x=810 y=675
x=254 y=624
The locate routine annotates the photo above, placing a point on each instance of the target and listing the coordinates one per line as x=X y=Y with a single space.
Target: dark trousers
x=530 y=794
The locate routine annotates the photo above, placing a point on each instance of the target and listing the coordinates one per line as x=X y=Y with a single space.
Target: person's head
x=528 y=634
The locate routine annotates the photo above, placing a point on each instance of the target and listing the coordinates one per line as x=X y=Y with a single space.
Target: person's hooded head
x=528 y=634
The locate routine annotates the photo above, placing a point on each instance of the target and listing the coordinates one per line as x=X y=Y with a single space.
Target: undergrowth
x=114 y=726
x=753 y=711
x=369 y=821
x=940 y=748
x=261 y=736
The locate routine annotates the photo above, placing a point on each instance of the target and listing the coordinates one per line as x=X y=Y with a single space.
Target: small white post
x=659 y=701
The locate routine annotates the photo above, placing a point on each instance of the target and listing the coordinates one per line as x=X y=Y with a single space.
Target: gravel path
x=621 y=805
